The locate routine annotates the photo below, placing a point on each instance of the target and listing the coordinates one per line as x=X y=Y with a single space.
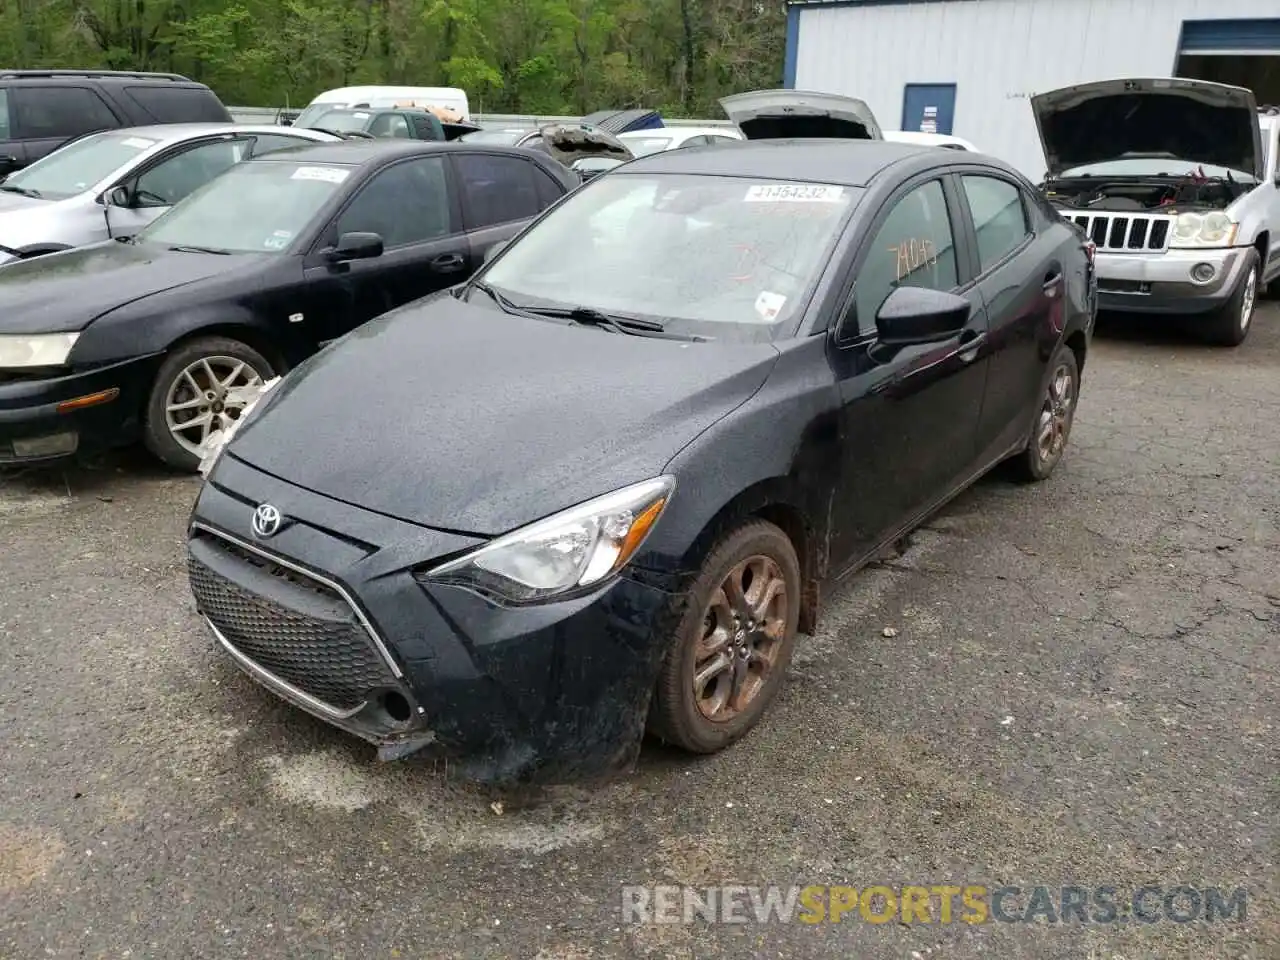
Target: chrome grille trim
x=269 y=679
x=1125 y=232
x=333 y=585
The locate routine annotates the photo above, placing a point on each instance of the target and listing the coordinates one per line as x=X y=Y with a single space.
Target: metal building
x=968 y=67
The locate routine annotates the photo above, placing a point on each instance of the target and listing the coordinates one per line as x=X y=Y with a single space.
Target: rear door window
x=168 y=103
x=496 y=189
x=999 y=219
x=549 y=189
x=428 y=128
x=59 y=112
x=4 y=115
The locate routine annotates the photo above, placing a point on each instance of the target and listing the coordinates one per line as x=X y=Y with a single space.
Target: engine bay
x=1170 y=195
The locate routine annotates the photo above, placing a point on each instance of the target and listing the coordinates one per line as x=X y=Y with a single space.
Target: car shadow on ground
x=90 y=476
x=1152 y=330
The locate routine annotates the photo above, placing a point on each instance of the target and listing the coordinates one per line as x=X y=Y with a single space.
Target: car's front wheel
x=1229 y=324
x=1053 y=421
x=733 y=643
x=194 y=396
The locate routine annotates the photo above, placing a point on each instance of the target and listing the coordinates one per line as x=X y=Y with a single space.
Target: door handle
x=448 y=263
x=970 y=341
x=1051 y=282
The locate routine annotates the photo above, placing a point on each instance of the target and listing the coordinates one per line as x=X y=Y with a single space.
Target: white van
x=422 y=98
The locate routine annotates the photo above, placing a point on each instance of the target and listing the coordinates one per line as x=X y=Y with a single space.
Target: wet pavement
x=1078 y=686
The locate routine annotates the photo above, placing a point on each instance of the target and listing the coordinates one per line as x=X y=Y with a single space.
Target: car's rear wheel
x=734 y=642
x=1054 y=417
x=1229 y=324
x=192 y=396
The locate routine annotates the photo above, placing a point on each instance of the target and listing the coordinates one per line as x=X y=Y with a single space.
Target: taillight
x=1090 y=248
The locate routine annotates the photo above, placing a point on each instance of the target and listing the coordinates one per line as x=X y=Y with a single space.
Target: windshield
x=643 y=146
x=1152 y=167
x=722 y=257
x=79 y=166
x=260 y=206
x=342 y=121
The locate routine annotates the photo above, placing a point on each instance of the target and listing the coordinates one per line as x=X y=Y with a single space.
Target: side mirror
x=117 y=197
x=355 y=246
x=917 y=315
x=496 y=249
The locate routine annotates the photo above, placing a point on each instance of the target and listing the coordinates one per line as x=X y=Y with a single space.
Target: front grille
x=295 y=628
x=1124 y=233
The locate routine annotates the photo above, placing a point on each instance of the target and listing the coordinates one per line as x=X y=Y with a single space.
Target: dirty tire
x=759 y=555
x=157 y=435
x=1230 y=324
x=1053 y=416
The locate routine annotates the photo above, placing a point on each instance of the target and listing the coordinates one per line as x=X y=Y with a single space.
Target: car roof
x=360 y=152
x=173 y=132
x=853 y=163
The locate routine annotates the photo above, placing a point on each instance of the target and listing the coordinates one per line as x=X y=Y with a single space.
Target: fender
x=782 y=480
x=129 y=333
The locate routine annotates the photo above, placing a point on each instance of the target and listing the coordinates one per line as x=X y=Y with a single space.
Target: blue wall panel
x=1228 y=35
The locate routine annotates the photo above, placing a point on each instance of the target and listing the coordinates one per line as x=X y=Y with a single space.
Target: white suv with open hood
x=1171 y=181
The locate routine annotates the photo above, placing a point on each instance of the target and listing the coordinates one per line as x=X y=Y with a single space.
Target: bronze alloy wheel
x=730 y=650
x=1051 y=427
x=742 y=633
x=1054 y=424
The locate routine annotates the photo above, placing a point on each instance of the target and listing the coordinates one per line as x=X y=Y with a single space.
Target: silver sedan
x=112 y=184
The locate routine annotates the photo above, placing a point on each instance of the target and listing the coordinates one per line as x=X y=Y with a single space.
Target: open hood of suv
x=786 y=114
x=1193 y=120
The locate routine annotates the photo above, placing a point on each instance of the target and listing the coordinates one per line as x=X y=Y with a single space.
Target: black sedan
x=158 y=338
x=600 y=487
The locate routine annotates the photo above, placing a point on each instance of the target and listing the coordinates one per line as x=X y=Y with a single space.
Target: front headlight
x=576 y=548
x=40 y=350
x=1203 y=230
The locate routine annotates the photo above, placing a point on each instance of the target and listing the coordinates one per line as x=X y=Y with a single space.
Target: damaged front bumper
x=327 y=614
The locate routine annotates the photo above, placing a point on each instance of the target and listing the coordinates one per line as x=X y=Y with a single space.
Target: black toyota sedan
x=600 y=487
x=158 y=338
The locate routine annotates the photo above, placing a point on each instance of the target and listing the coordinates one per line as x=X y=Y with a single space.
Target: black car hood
x=462 y=418
x=68 y=291
x=1193 y=120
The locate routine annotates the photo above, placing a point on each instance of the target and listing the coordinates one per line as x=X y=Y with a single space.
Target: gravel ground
x=1082 y=689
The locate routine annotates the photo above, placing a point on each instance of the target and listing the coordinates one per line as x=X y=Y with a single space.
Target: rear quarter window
x=168 y=103
x=4 y=115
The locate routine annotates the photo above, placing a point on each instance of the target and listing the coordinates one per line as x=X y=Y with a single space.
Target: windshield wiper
x=23 y=191
x=635 y=326
x=187 y=248
x=587 y=317
x=499 y=298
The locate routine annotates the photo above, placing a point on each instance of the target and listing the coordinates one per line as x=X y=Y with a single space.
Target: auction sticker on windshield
x=794 y=193
x=325 y=174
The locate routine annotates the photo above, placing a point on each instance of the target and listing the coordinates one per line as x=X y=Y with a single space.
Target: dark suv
x=42 y=109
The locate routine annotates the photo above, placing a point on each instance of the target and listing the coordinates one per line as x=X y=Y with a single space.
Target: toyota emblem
x=266 y=520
